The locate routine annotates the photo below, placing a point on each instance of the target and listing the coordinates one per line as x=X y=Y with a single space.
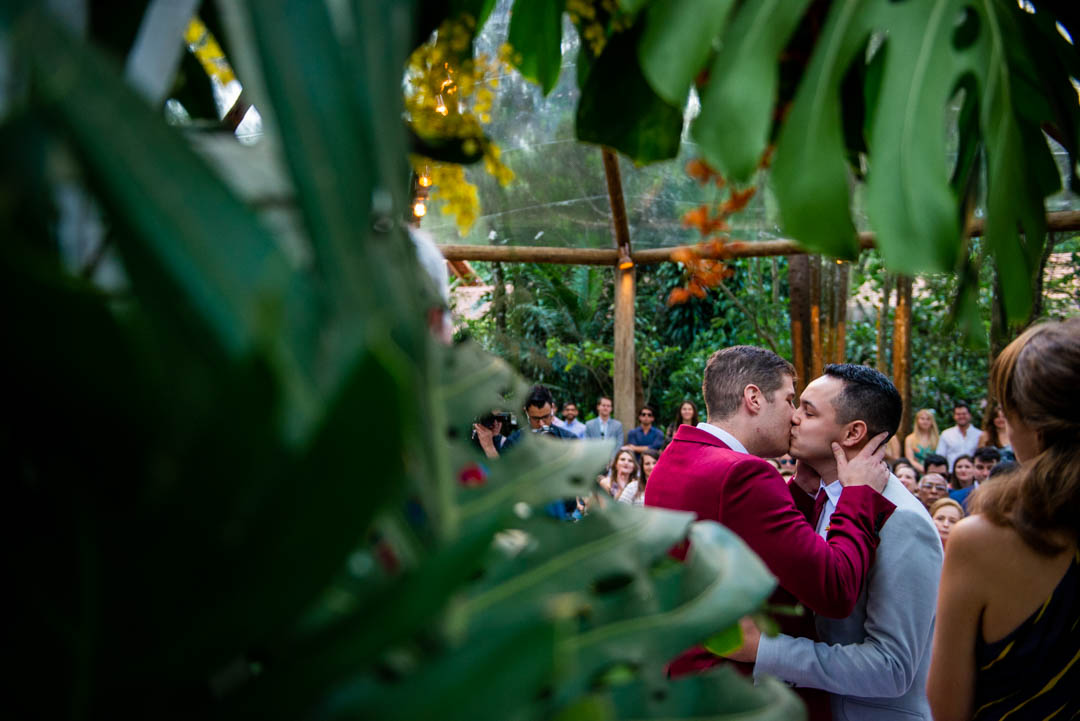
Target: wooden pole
x=902 y=350
x=816 y=364
x=843 y=272
x=625 y=353
x=799 y=313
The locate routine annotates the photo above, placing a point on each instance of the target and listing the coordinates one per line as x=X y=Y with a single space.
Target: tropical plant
x=241 y=483
x=844 y=90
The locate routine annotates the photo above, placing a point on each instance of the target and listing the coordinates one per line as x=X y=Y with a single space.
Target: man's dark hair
x=868 y=396
x=986 y=454
x=729 y=370
x=605 y=398
x=961 y=404
x=538 y=397
x=1003 y=467
x=933 y=459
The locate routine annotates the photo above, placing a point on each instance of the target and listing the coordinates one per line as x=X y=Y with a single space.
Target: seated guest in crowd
x=946 y=513
x=932 y=488
x=623 y=478
x=907 y=475
x=922 y=441
x=1007 y=642
x=996 y=434
x=569 y=420
x=961 y=439
x=687 y=415
x=963 y=472
x=936 y=464
x=646 y=435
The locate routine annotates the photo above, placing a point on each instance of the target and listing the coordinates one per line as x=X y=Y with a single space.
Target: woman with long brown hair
x=1007 y=639
x=996 y=434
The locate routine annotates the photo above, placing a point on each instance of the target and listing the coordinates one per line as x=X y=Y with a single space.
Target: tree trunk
x=902 y=350
x=882 y=360
x=799 y=313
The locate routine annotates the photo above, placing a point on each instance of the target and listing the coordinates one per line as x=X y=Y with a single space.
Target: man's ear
x=854 y=434
x=752 y=399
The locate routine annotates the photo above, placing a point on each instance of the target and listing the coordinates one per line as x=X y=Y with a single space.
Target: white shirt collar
x=833 y=490
x=729 y=440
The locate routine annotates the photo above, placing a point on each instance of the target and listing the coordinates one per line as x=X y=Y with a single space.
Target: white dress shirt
x=729 y=440
x=833 y=491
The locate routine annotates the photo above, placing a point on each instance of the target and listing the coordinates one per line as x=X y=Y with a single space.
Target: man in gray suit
x=875 y=661
x=604 y=426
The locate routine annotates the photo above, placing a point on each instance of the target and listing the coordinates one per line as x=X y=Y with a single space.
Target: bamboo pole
x=882 y=361
x=1058 y=221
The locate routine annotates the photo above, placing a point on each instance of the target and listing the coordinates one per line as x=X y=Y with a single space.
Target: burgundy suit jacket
x=697 y=472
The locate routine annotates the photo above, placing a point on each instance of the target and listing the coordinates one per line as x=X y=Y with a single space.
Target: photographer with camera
x=539 y=410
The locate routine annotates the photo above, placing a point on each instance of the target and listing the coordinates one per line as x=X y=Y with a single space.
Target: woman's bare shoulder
x=977 y=539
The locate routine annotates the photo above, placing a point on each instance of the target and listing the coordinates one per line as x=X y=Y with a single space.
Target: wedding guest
x=687 y=415
x=996 y=434
x=1007 y=638
x=946 y=513
x=922 y=441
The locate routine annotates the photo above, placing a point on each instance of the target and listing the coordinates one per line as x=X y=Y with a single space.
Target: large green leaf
x=810 y=174
x=714 y=696
x=651 y=131
x=678 y=39
x=737 y=103
x=536 y=37
x=243 y=290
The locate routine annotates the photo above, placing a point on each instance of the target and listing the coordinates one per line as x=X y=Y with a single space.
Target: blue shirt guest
x=646 y=435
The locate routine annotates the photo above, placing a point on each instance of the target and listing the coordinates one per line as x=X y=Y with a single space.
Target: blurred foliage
x=844 y=92
x=241 y=482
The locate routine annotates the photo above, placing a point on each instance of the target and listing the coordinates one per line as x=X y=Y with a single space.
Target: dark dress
x=1034 y=672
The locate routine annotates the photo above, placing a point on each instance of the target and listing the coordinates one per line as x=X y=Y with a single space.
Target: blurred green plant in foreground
x=240 y=488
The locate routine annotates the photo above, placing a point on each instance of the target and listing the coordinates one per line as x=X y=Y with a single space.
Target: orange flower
x=678 y=296
x=738 y=200
x=696 y=218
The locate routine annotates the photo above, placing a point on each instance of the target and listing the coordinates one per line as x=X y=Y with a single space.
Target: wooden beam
x=1059 y=221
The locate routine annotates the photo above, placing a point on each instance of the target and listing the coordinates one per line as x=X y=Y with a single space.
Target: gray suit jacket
x=875 y=661
x=614 y=431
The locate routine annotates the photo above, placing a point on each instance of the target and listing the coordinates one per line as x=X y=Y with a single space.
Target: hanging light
x=440 y=106
x=424 y=181
x=419 y=209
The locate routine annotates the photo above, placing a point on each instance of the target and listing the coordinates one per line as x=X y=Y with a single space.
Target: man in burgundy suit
x=717 y=470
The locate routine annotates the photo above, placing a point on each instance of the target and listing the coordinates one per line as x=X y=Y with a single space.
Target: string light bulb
x=419 y=209
x=424 y=181
x=440 y=106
